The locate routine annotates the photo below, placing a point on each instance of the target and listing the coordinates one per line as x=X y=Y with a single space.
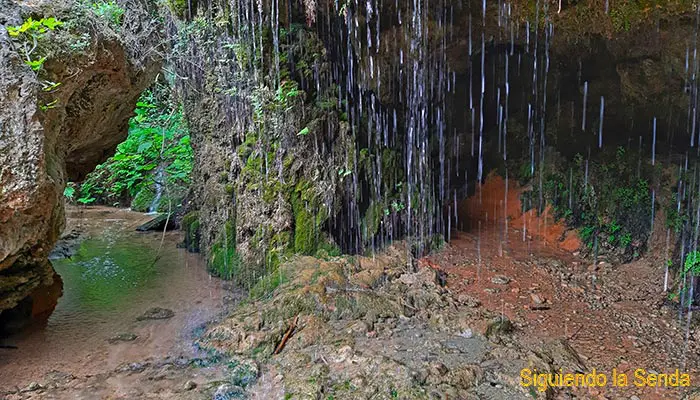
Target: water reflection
x=115 y=275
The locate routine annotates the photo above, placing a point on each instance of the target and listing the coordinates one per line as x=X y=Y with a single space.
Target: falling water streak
x=600 y=127
x=653 y=145
x=481 y=107
x=585 y=102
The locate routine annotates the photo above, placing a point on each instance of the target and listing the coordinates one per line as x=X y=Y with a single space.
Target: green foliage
x=612 y=203
x=29 y=34
x=158 y=138
x=674 y=219
x=110 y=11
x=69 y=192
x=33 y=28
x=307 y=218
x=178 y=7
x=692 y=262
x=267 y=284
x=624 y=15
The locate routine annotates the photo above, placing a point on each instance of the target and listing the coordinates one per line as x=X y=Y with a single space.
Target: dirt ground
x=614 y=316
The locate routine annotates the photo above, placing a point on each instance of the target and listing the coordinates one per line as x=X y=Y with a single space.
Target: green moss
x=267 y=284
x=246 y=148
x=143 y=199
x=372 y=220
x=191 y=226
x=225 y=262
x=327 y=249
x=178 y=7
x=308 y=218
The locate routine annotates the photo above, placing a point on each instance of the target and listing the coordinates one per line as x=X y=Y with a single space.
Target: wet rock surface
x=156 y=313
x=122 y=337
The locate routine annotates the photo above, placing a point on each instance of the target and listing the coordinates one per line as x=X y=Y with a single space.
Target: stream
x=114 y=277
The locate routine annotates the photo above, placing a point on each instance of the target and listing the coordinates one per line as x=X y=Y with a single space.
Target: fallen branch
x=287 y=335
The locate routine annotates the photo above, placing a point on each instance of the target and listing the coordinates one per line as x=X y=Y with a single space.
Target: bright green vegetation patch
x=225 y=262
x=309 y=216
x=157 y=151
x=109 y=10
x=28 y=36
x=609 y=201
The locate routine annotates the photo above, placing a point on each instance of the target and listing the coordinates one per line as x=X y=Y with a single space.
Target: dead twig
x=287 y=335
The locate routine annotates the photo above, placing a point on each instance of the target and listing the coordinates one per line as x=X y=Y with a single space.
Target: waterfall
x=158 y=186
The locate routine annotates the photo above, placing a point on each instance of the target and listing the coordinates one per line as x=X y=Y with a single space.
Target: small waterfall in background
x=153 y=208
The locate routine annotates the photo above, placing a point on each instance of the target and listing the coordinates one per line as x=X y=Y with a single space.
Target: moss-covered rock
x=143 y=199
x=190 y=225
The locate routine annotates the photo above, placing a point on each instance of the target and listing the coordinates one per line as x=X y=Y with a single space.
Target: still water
x=115 y=275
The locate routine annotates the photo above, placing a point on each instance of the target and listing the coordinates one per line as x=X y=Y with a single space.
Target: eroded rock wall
x=267 y=156
x=58 y=122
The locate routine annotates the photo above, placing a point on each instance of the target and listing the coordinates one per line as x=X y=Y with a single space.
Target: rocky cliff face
x=61 y=118
x=356 y=123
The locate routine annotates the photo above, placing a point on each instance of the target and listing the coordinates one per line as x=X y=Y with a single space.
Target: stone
x=467 y=333
x=32 y=387
x=468 y=301
x=499 y=326
x=163 y=221
x=500 y=280
x=537 y=299
x=189 y=385
x=227 y=392
x=156 y=313
x=122 y=337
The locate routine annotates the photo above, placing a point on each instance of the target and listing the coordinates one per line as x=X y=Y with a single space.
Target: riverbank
x=462 y=323
x=114 y=277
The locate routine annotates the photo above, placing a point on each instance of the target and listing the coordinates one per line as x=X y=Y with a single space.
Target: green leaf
x=304 y=132
x=36 y=64
x=144 y=146
x=51 y=23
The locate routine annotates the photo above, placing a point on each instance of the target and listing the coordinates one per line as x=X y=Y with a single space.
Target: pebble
x=467 y=333
x=537 y=299
x=189 y=385
x=33 y=387
x=122 y=337
x=500 y=280
x=156 y=313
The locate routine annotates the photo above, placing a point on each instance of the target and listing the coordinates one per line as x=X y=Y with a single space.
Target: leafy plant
x=69 y=192
x=157 y=150
x=692 y=262
x=626 y=239
x=28 y=36
x=110 y=11
x=344 y=172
